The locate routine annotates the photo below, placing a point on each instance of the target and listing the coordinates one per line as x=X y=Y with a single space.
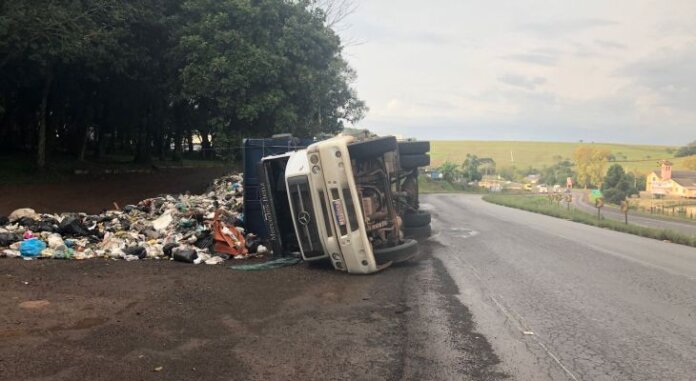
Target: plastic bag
x=31 y=247
x=73 y=226
x=137 y=251
x=204 y=241
x=167 y=249
x=185 y=255
x=7 y=239
x=23 y=212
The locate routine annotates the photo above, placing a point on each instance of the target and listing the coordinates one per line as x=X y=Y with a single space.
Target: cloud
x=529 y=70
x=669 y=75
x=372 y=32
x=610 y=44
x=536 y=57
x=563 y=28
x=516 y=80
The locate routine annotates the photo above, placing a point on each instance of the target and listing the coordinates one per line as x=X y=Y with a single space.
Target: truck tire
x=372 y=148
x=400 y=253
x=414 y=161
x=421 y=232
x=417 y=219
x=414 y=148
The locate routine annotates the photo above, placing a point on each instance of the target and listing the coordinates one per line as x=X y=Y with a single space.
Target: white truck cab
x=322 y=195
x=335 y=213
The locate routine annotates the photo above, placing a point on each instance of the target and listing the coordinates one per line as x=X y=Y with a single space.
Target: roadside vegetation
x=428 y=185
x=157 y=80
x=543 y=205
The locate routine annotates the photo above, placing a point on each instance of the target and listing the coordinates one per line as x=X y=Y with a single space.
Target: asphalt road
x=580 y=201
x=560 y=300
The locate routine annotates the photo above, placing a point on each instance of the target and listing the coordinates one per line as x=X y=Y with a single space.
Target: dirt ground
x=161 y=320
x=95 y=193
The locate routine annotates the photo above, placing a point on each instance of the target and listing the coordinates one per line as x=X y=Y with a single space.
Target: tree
x=450 y=171
x=557 y=173
x=46 y=36
x=590 y=163
x=284 y=73
x=470 y=168
x=487 y=165
x=614 y=176
x=687 y=150
x=145 y=78
x=618 y=185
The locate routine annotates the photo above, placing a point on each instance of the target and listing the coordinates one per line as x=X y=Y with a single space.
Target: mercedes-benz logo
x=304 y=218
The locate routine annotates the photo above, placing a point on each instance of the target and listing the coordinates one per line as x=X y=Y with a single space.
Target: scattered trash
x=185 y=255
x=162 y=222
x=528 y=333
x=214 y=261
x=137 y=251
x=158 y=369
x=72 y=226
x=31 y=247
x=34 y=304
x=23 y=213
x=206 y=228
x=6 y=239
x=228 y=239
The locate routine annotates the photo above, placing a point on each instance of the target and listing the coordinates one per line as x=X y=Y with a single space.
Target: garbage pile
x=205 y=228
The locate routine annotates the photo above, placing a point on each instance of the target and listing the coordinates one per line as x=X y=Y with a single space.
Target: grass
x=427 y=185
x=541 y=204
x=541 y=154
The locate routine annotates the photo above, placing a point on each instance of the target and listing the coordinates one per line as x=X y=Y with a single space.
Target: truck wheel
x=400 y=253
x=372 y=148
x=420 y=232
x=414 y=161
x=414 y=148
x=417 y=219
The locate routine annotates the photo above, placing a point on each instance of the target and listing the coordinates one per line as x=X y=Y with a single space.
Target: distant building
x=532 y=179
x=489 y=182
x=436 y=175
x=666 y=182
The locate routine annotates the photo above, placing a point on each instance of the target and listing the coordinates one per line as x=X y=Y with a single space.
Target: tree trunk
x=41 y=144
x=142 y=154
x=189 y=135
x=177 y=139
x=85 y=140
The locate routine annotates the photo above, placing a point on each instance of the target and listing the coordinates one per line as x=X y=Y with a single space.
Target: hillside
x=541 y=154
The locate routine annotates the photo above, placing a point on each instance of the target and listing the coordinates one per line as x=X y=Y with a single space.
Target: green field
x=541 y=154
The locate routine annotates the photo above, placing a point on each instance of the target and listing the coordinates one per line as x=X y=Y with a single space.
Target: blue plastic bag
x=31 y=247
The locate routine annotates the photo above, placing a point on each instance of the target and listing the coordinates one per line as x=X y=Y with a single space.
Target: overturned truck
x=353 y=203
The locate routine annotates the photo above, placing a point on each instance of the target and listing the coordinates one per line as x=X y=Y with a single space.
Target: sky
x=606 y=71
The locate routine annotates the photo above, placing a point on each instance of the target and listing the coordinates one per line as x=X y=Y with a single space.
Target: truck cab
x=338 y=198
